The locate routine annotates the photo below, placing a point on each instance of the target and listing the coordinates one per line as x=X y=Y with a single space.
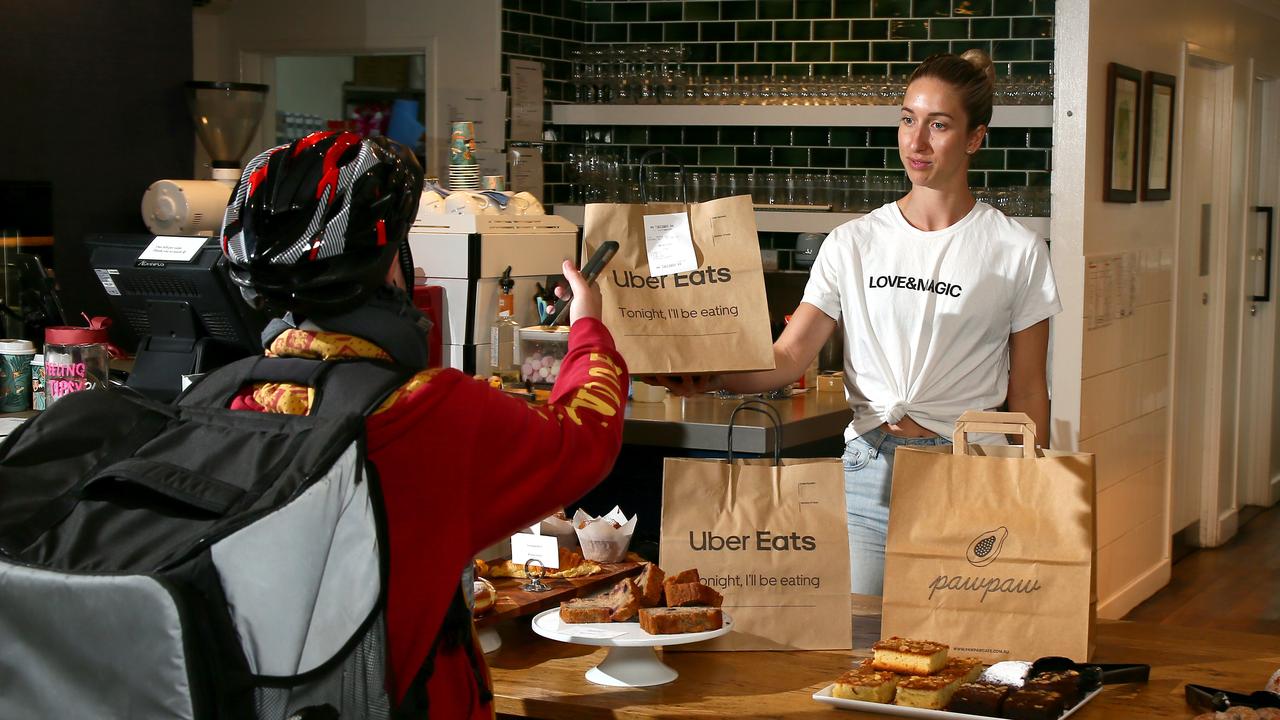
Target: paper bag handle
x=684 y=174
x=768 y=411
x=1010 y=423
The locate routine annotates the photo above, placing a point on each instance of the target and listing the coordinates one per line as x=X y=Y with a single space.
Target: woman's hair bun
x=982 y=61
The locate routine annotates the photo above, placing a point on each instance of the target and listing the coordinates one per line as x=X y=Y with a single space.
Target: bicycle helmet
x=312 y=226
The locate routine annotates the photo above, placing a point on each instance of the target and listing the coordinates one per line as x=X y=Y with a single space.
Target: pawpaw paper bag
x=709 y=316
x=991 y=548
x=771 y=539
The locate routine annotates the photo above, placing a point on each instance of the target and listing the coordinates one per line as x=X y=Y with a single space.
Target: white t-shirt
x=926 y=316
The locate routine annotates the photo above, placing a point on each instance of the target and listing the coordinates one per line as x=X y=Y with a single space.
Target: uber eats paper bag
x=684 y=321
x=771 y=539
x=989 y=551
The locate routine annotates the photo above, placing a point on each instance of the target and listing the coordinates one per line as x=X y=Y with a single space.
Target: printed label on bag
x=669 y=242
x=982 y=551
x=762 y=541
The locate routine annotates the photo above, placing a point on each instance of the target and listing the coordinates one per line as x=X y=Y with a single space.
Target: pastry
x=912 y=657
x=867 y=684
x=978 y=699
x=690 y=594
x=650 y=584
x=926 y=691
x=484 y=596
x=1026 y=704
x=669 y=621
x=572 y=565
x=1065 y=683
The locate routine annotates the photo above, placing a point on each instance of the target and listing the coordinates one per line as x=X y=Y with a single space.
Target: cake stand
x=631 y=661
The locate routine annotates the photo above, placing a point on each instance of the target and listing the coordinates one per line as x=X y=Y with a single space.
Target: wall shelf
x=767 y=115
x=792 y=221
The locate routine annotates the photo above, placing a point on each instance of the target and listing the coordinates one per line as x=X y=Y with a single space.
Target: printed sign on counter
x=543 y=548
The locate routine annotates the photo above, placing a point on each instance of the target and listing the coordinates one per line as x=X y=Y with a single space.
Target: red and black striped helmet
x=312 y=226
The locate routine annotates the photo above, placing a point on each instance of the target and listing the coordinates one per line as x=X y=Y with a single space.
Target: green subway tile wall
x=785 y=37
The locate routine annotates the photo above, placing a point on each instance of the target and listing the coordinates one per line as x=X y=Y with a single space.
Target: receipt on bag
x=669 y=244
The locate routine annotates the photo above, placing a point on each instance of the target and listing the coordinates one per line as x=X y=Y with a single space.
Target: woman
x=944 y=304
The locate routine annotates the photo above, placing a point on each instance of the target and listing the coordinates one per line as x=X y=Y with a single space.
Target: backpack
x=188 y=561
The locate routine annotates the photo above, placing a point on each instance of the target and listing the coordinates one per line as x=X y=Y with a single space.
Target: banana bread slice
x=586 y=610
x=670 y=621
x=691 y=594
x=650 y=584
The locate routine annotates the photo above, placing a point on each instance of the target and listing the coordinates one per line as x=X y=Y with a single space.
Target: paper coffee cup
x=15 y=386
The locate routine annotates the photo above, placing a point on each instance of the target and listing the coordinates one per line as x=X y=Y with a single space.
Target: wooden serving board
x=514 y=602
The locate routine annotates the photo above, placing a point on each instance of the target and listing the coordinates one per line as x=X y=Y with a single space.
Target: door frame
x=1253 y=462
x=1214 y=527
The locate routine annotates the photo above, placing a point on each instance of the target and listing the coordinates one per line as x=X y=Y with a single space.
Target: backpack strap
x=362 y=384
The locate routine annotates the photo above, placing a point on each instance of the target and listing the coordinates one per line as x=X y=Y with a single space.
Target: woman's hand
x=685 y=385
x=586 y=301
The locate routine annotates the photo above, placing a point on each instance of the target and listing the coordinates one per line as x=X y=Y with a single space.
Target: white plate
x=824 y=696
x=621 y=634
x=631 y=661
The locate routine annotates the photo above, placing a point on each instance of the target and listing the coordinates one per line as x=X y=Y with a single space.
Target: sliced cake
x=1065 y=683
x=586 y=610
x=691 y=594
x=624 y=600
x=670 y=621
x=912 y=657
x=979 y=699
x=926 y=691
x=650 y=584
x=1027 y=704
x=966 y=668
x=867 y=684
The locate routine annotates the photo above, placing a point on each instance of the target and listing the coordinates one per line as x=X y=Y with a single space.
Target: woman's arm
x=799 y=344
x=1028 y=384
x=795 y=349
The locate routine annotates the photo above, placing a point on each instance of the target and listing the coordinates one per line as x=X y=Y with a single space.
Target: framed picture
x=1157 y=135
x=1121 y=167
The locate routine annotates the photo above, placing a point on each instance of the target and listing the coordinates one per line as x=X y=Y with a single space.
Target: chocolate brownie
x=1065 y=683
x=1027 y=704
x=979 y=699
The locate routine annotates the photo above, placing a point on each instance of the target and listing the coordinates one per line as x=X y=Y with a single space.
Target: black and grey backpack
x=187 y=561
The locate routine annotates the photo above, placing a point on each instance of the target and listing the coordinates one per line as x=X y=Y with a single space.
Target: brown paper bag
x=991 y=548
x=685 y=322
x=770 y=536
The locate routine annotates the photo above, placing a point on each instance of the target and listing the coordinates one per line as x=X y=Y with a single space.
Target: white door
x=1257 y=406
x=1205 y=167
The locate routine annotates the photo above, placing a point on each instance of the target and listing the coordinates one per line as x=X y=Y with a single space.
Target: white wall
x=1120 y=411
x=313 y=85
x=461 y=44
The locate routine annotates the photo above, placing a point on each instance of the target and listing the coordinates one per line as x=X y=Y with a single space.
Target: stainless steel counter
x=702 y=423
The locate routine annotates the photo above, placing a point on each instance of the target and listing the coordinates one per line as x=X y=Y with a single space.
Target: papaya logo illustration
x=984 y=548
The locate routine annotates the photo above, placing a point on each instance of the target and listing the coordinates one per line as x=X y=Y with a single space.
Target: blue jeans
x=868 y=479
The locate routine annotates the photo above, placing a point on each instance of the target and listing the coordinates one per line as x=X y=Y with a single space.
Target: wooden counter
x=701 y=422
x=539 y=678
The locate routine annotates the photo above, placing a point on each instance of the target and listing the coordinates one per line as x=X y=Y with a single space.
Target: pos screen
x=187 y=315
